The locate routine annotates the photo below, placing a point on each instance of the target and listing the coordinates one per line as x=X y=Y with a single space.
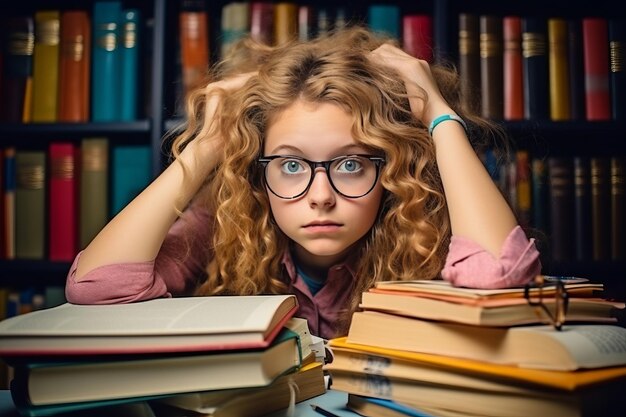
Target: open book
x=186 y=324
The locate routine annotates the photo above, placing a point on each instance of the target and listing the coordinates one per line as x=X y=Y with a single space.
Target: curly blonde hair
x=411 y=236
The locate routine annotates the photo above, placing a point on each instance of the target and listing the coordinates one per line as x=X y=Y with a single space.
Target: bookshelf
x=542 y=138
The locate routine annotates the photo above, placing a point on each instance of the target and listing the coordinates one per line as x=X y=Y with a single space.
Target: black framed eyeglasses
x=540 y=292
x=351 y=176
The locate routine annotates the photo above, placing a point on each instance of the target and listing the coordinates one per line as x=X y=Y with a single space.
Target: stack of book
x=174 y=350
x=425 y=348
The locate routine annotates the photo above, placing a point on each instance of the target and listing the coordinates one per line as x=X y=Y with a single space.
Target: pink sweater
x=179 y=261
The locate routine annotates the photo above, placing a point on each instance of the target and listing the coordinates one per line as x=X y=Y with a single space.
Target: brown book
x=618 y=225
x=74 y=66
x=46 y=66
x=558 y=69
x=262 y=21
x=523 y=187
x=561 y=193
x=417 y=36
x=491 y=67
x=285 y=22
x=512 y=68
x=30 y=204
x=582 y=208
x=469 y=60
x=600 y=208
x=194 y=43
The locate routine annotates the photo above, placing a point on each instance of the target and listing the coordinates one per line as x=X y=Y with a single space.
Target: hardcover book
x=561 y=193
x=417 y=36
x=235 y=24
x=512 y=68
x=46 y=66
x=535 y=60
x=385 y=19
x=130 y=41
x=617 y=68
x=262 y=21
x=194 y=43
x=63 y=202
x=575 y=66
x=131 y=173
x=558 y=71
x=618 y=223
x=285 y=22
x=491 y=67
x=596 y=68
x=469 y=60
x=94 y=191
x=600 y=208
x=582 y=209
x=30 y=204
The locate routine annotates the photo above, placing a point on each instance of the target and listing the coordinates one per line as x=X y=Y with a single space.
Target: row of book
x=574 y=203
x=173 y=356
x=72 y=65
x=532 y=68
x=424 y=348
x=56 y=200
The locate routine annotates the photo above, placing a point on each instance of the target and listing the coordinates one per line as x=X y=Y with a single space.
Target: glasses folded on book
x=535 y=294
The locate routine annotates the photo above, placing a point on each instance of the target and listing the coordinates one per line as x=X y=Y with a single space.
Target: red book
x=596 y=68
x=417 y=36
x=262 y=21
x=512 y=68
x=63 y=197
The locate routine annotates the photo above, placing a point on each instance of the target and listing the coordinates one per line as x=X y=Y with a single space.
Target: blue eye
x=292 y=166
x=350 y=165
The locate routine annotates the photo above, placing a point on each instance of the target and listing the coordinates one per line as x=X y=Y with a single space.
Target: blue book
x=131 y=173
x=106 y=62
x=384 y=19
x=129 y=49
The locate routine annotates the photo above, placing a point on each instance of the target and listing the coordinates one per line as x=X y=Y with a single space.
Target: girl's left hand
x=424 y=95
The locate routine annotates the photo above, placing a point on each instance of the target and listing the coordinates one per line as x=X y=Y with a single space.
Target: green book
x=94 y=195
x=131 y=173
x=30 y=204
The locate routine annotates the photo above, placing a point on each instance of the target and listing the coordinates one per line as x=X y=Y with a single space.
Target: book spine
x=540 y=202
x=93 y=196
x=384 y=19
x=46 y=66
x=306 y=23
x=561 y=190
x=523 y=188
x=9 y=202
x=576 y=69
x=74 y=62
x=17 y=66
x=2 y=226
x=262 y=21
x=512 y=68
x=63 y=204
x=285 y=22
x=129 y=50
x=105 y=70
x=600 y=209
x=582 y=208
x=618 y=208
x=194 y=45
x=617 y=67
x=235 y=24
x=557 y=70
x=491 y=67
x=130 y=174
x=30 y=204
x=417 y=36
x=535 y=60
x=469 y=60
x=596 y=68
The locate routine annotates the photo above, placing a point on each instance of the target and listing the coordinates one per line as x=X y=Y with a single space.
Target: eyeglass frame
x=265 y=160
x=561 y=300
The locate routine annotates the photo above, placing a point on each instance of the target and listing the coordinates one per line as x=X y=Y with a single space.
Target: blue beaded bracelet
x=443 y=118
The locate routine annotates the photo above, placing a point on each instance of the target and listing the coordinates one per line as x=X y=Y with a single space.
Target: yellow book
x=558 y=69
x=46 y=66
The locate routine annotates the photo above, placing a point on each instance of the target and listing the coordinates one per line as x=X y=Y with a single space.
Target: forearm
x=477 y=209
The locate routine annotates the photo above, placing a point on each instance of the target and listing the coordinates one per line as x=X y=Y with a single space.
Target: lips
x=322 y=227
x=322 y=223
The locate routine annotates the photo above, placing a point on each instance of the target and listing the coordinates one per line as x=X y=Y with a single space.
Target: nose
x=321 y=192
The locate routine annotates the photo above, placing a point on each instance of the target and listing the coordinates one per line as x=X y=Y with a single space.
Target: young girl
x=316 y=169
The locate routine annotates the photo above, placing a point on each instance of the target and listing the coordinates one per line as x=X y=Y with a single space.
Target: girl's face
x=323 y=224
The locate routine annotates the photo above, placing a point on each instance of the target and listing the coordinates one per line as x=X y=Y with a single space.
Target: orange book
x=558 y=69
x=417 y=36
x=285 y=22
x=512 y=68
x=596 y=60
x=194 y=44
x=74 y=64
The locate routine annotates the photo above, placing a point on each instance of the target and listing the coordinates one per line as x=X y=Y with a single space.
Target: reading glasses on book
x=535 y=295
x=351 y=176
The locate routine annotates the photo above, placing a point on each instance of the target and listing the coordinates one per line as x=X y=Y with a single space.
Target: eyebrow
x=293 y=150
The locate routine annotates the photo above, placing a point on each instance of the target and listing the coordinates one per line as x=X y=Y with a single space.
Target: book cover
x=561 y=193
x=94 y=188
x=535 y=68
x=106 y=62
x=512 y=68
x=194 y=43
x=600 y=208
x=618 y=223
x=30 y=204
x=285 y=22
x=64 y=382
x=469 y=60
x=417 y=36
x=130 y=41
x=262 y=21
x=557 y=69
x=63 y=202
x=46 y=66
x=617 y=68
x=596 y=68
x=491 y=67
x=575 y=65
x=131 y=173
x=582 y=208
x=18 y=41
x=182 y=324
x=384 y=19
x=8 y=200
x=74 y=66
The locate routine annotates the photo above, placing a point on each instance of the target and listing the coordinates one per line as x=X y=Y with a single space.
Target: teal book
x=384 y=19
x=129 y=50
x=106 y=62
x=30 y=204
x=131 y=173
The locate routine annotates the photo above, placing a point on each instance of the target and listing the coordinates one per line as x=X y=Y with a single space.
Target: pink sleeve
x=469 y=265
x=175 y=270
